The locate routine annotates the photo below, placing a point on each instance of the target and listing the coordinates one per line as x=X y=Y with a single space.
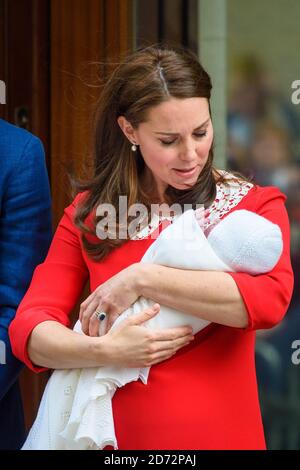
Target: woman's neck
x=154 y=190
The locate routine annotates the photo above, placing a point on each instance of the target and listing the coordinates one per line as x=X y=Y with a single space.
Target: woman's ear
x=127 y=129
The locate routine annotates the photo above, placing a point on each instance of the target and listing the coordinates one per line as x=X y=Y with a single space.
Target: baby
x=76 y=409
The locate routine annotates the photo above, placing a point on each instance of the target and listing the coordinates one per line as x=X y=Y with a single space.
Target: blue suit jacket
x=25 y=235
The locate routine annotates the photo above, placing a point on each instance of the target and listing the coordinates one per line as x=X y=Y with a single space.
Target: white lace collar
x=227 y=197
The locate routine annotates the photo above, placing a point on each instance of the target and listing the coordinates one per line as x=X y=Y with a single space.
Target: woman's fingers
x=90 y=323
x=163 y=355
x=164 y=339
x=93 y=326
x=136 y=320
x=145 y=315
x=174 y=344
x=87 y=314
x=159 y=357
x=85 y=304
x=109 y=323
x=172 y=333
x=163 y=343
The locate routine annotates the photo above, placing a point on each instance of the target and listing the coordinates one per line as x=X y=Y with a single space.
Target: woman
x=153 y=144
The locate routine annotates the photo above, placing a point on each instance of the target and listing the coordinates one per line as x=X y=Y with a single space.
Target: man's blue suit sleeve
x=25 y=236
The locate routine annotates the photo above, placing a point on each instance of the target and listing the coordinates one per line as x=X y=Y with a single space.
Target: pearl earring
x=134 y=147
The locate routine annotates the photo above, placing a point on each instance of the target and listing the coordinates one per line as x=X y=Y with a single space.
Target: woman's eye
x=200 y=134
x=167 y=143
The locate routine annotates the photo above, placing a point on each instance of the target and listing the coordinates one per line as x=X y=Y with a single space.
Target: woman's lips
x=186 y=173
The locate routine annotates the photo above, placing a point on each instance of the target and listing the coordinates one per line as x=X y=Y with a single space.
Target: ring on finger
x=100 y=315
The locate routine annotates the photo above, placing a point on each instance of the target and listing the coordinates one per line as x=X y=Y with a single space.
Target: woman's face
x=175 y=142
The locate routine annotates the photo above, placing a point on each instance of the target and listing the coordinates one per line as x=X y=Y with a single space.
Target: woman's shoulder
x=70 y=211
x=76 y=203
x=237 y=184
x=79 y=199
x=263 y=197
x=233 y=191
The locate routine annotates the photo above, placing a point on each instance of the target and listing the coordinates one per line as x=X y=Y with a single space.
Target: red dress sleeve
x=267 y=296
x=55 y=288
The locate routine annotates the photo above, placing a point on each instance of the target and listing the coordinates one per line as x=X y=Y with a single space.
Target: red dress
x=205 y=397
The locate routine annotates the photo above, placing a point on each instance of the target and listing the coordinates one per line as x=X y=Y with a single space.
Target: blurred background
x=56 y=54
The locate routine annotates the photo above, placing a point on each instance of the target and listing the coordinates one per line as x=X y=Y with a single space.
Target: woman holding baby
x=154 y=145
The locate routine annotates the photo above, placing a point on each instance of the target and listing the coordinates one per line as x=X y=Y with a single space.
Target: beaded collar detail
x=228 y=196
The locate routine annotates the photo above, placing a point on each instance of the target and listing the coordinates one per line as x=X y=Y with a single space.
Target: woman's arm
x=210 y=295
x=52 y=345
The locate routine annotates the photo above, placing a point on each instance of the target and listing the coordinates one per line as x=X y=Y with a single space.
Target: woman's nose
x=188 y=152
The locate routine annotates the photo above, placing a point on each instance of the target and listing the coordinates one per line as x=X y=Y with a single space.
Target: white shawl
x=76 y=408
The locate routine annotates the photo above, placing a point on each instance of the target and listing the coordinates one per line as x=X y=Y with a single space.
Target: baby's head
x=247 y=242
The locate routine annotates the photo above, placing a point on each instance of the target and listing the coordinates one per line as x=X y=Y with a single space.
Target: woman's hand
x=112 y=297
x=132 y=345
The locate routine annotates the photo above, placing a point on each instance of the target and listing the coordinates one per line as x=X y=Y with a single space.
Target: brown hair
x=145 y=78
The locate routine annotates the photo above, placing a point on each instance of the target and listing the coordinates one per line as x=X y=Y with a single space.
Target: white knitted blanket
x=76 y=408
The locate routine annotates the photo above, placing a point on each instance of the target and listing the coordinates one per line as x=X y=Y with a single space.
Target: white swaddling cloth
x=76 y=408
